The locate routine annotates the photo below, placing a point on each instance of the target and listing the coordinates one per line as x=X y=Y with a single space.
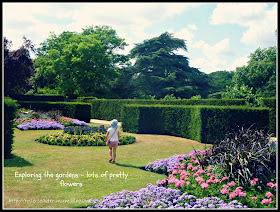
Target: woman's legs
x=113 y=149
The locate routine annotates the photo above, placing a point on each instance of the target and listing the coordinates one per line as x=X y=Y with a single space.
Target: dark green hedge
x=271 y=103
x=39 y=97
x=205 y=124
x=77 y=110
x=108 y=109
x=10 y=109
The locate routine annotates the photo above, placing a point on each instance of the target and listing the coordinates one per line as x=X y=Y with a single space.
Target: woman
x=112 y=139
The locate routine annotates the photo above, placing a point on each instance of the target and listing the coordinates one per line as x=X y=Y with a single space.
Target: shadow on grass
x=16 y=161
x=132 y=166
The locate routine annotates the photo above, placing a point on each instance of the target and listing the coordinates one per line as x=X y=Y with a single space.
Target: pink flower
x=187 y=173
x=195 y=174
x=225 y=186
x=270 y=184
x=232 y=195
x=232 y=183
x=238 y=190
x=194 y=168
x=209 y=168
x=209 y=181
x=269 y=194
x=179 y=183
x=242 y=194
x=201 y=171
x=266 y=201
x=224 y=178
x=204 y=185
x=196 y=161
x=199 y=180
x=224 y=191
x=216 y=181
x=254 y=198
x=188 y=182
x=254 y=181
x=174 y=171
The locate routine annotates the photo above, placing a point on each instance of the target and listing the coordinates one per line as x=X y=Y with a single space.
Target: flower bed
x=36 y=120
x=93 y=139
x=201 y=179
x=159 y=197
x=84 y=130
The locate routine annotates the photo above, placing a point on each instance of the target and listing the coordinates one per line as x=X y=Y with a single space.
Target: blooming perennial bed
x=188 y=185
x=47 y=124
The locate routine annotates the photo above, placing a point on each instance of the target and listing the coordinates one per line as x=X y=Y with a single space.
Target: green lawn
x=36 y=158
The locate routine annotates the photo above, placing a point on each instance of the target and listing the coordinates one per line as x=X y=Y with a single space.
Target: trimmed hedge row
x=205 y=124
x=108 y=109
x=76 y=110
x=271 y=103
x=38 y=97
x=10 y=109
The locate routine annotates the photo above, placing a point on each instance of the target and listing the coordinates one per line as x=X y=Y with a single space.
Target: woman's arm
x=107 y=134
x=118 y=135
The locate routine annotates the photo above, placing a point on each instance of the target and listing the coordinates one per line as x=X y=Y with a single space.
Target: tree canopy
x=80 y=63
x=158 y=71
x=18 y=68
x=259 y=73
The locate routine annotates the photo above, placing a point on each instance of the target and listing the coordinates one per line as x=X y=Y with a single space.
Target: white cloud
x=260 y=21
x=213 y=58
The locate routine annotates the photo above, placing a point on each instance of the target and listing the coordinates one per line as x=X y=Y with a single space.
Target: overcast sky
x=219 y=36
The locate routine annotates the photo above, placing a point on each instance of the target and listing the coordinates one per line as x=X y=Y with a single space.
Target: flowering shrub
x=159 y=197
x=93 y=139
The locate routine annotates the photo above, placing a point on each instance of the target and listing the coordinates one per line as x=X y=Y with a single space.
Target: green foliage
x=77 y=110
x=170 y=97
x=271 y=104
x=37 y=97
x=84 y=130
x=260 y=72
x=205 y=124
x=10 y=110
x=108 y=109
x=243 y=92
x=218 y=81
x=93 y=139
x=196 y=97
x=243 y=155
x=76 y=64
x=159 y=71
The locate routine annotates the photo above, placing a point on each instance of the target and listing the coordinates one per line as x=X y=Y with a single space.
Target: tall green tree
x=259 y=73
x=219 y=81
x=158 y=71
x=18 y=68
x=80 y=64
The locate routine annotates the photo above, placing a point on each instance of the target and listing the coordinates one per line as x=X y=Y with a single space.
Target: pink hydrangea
x=254 y=198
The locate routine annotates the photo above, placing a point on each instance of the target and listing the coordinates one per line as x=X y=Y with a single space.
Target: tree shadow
x=132 y=166
x=16 y=161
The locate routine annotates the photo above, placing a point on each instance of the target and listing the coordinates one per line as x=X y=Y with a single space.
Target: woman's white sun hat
x=114 y=123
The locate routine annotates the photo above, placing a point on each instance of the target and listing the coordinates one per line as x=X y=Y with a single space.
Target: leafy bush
x=84 y=130
x=271 y=104
x=108 y=109
x=76 y=110
x=201 y=123
x=243 y=155
x=93 y=139
x=10 y=109
x=39 y=97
